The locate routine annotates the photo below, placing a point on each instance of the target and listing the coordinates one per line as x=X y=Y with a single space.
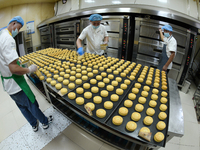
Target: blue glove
x=80 y=51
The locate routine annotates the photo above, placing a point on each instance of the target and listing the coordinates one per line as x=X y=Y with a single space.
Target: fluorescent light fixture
x=124 y=9
x=116 y=2
x=89 y=1
x=163 y=1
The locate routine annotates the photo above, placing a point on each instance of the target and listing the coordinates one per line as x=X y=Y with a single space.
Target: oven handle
x=146 y=61
x=64 y=39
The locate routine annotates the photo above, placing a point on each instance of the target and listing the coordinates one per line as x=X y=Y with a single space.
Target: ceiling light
x=89 y=1
x=163 y=1
x=116 y=2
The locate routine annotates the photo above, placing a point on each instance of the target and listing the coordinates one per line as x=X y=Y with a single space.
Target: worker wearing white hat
x=171 y=48
x=95 y=34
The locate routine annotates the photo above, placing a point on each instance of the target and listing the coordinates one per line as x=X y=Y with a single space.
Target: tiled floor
x=13 y=126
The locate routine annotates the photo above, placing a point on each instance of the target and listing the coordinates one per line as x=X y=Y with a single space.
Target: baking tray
x=153 y=78
x=101 y=105
x=140 y=124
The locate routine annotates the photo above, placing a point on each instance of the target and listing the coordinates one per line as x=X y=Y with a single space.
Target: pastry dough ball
x=88 y=95
x=142 y=100
x=140 y=80
x=131 y=96
x=84 y=78
x=93 y=81
x=148 y=82
x=162 y=115
x=67 y=70
x=109 y=70
x=116 y=72
x=159 y=136
x=71 y=86
x=97 y=99
x=144 y=93
x=135 y=90
x=78 y=81
x=104 y=93
x=78 y=75
x=90 y=74
x=132 y=77
x=150 y=112
x=48 y=80
x=161 y=125
x=101 y=84
x=119 y=91
x=138 y=85
x=78 y=70
x=79 y=90
x=110 y=76
x=154 y=97
x=118 y=79
x=108 y=105
x=123 y=111
x=128 y=103
x=163 y=100
x=135 y=116
x=86 y=85
x=156 y=81
x=164 y=83
x=106 y=80
x=84 y=72
x=65 y=82
x=55 y=72
x=127 y=82
x=46 y=72
x=62 y=74
x=95 y=71
x=123 y=86
x=41 y=78
x=139 y=107
x=133 y=73
x=91 y=105
x=98 y=77
x=131 y=126
x=163 y=107
x=53 y=82
x=114 y=83
x=148 y=120
x=49 y=75
x=142 y=76
x=155 y=91
x=103 y=74
x=164 y=87
x=110 y=88
x=152 y=103
x=71 y=95
x=145 y=130
x=72 y=73
x=95 y=89
x=66 y=76
x=114 y=97
x=101 y=68
x=146 y=88
x=63 y=91
x=117 y=120
x=101 y=113
x=164 y=94
x=119 y=69
x=156 y=85
x=60 y=79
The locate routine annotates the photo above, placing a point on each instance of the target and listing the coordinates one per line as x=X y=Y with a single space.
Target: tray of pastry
x=101 y=93
x=154 y=78
x=144 y=109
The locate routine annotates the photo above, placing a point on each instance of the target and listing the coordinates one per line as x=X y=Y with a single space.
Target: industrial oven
x=66 y=34
x=46 y=36
x=118 y=32
x=148 y=46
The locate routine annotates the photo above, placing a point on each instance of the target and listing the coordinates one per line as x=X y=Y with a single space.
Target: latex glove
x=32 y=68
x=80 y=51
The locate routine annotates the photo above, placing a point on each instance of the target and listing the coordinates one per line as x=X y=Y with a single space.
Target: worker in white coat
x=12 y=77
x=95 y=34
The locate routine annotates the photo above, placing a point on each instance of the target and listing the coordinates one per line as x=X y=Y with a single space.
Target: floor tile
x=82 y=138
x=8 y=126
x=107 y=147
x=170 y=146
x=189 y=113
x=186 y=99
x=190 y=137
x=61 y=142
x=175 y=140
x=189 y=147
x=20 y=119
x=14 y=142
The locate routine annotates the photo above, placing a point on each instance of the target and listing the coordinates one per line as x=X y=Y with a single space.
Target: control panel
x=188 y=59
x=124 y=38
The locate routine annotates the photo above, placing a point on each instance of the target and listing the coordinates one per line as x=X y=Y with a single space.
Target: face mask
x=166 y=34
x=95 y=27
x=14 y=33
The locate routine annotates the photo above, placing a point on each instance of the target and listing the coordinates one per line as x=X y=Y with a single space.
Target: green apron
x=20 y=80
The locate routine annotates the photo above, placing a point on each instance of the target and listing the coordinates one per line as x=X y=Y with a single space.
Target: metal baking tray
x=140 y=124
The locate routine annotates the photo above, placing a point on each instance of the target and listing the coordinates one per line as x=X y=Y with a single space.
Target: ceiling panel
x=6 y=3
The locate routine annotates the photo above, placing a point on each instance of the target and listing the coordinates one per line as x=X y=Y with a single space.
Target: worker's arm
x=106 y=40
x=161 y=35
x=78 y=43
x=169 y=61
x=16 y=69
